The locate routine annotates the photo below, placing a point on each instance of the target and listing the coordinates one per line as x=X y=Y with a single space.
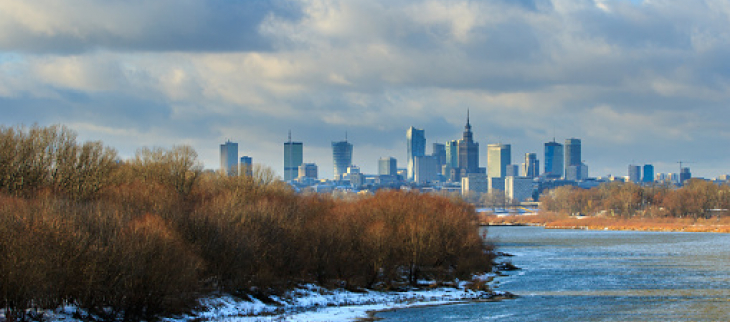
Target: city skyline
x=639 y=82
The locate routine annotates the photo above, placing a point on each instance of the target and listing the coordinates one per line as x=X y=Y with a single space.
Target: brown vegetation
x=138 y=239
x=697 y=206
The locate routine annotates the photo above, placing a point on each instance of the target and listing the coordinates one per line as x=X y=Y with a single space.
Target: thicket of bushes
x=139 y=239
x=696 y=199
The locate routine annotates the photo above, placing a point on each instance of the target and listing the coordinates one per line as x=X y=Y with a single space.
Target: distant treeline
x=696 y=199
x=145 y=238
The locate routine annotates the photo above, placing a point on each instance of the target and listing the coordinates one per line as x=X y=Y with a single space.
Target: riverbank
x=556 y=221
x=312 y=303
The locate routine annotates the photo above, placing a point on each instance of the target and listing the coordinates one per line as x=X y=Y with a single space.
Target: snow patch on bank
x=316 y=304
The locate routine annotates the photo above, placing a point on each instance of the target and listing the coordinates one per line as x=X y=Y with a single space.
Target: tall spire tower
x=468 y=150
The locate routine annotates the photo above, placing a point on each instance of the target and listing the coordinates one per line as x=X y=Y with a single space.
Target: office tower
x=634 y=173
x=553 y=159
x=468 y=150
x=498 y=157
x=246 y=166
x=452 y=154
x=229 y=158
x=572 y=152
x=439 y=152
x=648 y=173
x=293 y=158
x=416 y=143
x=387 y=166
x=308 y=170
x=684 y=175
x=512 y=170
x=425 y=169
x=531 y=167
x=341 y=158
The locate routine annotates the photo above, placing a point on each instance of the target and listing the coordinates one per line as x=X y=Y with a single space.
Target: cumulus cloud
x=639 y=81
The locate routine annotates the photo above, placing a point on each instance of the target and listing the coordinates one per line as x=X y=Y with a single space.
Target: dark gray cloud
x=167 y=25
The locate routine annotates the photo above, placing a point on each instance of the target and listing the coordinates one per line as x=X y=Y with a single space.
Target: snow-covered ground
x=315 y=304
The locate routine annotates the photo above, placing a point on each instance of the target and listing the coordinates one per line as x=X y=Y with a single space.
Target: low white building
x=518 y=188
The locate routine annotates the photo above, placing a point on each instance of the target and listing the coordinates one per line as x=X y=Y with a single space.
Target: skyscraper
x=634 y=173
x=229 y=158
x=468 y=151
x=388 y=166
x=416 y=143
x=572 y=152
x=439 y=152
x=531 y=167
x=648 y=173
x=498 y=157
x=452 y=153
x=341 y=157
x=293 y=158
x=246 y=166
x=684 y=175
x=553 y=159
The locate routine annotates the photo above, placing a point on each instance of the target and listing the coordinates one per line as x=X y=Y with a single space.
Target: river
x=580 y=275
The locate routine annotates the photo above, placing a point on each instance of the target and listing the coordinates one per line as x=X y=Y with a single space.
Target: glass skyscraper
x=572 y=152
x=229 y=158
x=416 y=143
x=452 y=153
x=531 y=167
x=341 y=158
x=293 y=158
x=498 y=157
x=648 y=173
x=387 y=166
x=553 y=159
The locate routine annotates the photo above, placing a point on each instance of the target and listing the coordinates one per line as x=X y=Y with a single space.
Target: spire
x=468 y=126
x=289 y=136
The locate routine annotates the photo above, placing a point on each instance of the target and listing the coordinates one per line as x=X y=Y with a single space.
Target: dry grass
x=720 y=224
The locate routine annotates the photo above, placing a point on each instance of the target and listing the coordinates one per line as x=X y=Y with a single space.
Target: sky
x=637 y=81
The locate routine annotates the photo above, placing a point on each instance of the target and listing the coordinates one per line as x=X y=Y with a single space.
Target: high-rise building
x=246 y=166
x=425 y=169
x=468 y=151
x=498 y=157
x=512 y=170
x=308 y=170
x=416 y=143
x=293 y=158
x=341 y=157
x=553 y=159
x=531 y=167
x=229 y=158
x=634 y=173
x=452 y=153
x=387 y=166
x=439 y=152
x=684 y=175
x=572 y=152
x=648 y=173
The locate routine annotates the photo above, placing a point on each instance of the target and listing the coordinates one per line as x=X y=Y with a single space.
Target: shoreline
x=588 y=223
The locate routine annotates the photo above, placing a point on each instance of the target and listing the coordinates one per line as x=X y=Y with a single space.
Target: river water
x=580 y=275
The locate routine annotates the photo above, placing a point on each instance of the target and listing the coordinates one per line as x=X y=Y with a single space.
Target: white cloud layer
x=639 y=81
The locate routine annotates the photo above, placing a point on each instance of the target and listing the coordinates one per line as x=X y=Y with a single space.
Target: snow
x=316 y=304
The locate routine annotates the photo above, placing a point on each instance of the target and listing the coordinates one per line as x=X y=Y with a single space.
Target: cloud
x=637 y=80
x=49 y=26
